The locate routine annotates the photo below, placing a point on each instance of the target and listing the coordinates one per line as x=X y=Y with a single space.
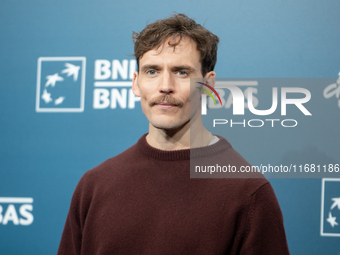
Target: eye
x=151 y=72
x=183 y=73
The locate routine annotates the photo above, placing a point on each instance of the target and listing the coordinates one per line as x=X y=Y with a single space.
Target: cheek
x=195 y=98
x=145 y=106
x=144 y=103
x=194 y=95
x=144 y=92
x=147 y=89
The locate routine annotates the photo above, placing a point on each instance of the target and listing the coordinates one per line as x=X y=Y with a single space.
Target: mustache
x=166 y=98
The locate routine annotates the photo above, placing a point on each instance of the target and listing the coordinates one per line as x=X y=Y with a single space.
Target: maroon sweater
x=143 y=201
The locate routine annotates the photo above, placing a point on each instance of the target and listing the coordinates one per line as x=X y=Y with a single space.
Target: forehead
x=185 y=52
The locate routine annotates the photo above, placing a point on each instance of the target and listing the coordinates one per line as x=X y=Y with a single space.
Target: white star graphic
x=46 y=97
x=331 y=220
x=71 y=70
x=336 y=203
x=52 y=79
x=59 y=100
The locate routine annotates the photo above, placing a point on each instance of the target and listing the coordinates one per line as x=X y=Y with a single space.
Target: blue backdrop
x=66 y=103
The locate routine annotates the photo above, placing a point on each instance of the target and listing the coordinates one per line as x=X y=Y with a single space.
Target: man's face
x=163 y=83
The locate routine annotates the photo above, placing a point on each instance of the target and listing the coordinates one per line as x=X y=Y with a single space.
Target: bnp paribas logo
x=60 y=84
x=330 y=207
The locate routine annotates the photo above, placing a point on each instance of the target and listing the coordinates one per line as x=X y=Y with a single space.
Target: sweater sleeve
x=72 y=234
x=264 y=231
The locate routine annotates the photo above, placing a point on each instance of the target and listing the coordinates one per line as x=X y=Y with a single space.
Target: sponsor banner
x=16 y=211
x=61 y=84
x=330 y=207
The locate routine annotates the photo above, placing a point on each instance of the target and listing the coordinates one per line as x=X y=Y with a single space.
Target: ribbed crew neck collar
x=185 y=154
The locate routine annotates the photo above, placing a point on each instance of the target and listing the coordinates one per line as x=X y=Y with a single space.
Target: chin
x=165 y=126
x=168 y=125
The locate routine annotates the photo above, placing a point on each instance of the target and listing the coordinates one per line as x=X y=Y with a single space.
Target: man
x=143 y=200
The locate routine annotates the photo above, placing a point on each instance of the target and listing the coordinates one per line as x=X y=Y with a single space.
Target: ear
x=209 y=78
x=135 y=87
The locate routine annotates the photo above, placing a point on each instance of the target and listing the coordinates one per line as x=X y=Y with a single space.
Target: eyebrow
x=147 y=67
x=174 y=68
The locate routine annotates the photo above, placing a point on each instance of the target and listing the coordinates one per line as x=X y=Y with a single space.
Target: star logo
x=330 y=207
x=336 y=203
x=46 y=97
x=331 y=220
x=60 y=84
x=52 y=79
x=59 y=100
x=71 y=70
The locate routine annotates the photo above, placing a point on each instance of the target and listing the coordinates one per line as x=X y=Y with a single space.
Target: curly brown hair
x=156 y=33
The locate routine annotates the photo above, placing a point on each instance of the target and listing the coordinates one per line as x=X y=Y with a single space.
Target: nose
x=167 y=83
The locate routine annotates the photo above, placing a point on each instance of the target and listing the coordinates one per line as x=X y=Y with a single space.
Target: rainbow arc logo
x=208 y=92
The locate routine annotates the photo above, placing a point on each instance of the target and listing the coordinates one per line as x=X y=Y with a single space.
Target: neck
x=191 y=135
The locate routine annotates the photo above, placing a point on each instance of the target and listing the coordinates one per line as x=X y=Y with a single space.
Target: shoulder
x=241 y=190
x=114 y=166
x=115 y=169
x=228 y=168
x=264 y=229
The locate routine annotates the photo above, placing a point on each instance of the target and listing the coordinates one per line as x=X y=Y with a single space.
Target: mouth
x=166 y=105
